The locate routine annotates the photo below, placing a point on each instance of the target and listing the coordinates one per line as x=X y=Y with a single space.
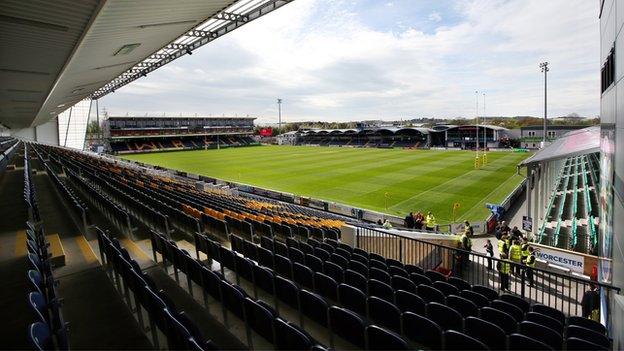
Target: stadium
x=195 y=232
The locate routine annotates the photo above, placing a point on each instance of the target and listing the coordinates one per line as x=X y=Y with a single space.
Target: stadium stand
x=572 y=210
x=274 y=277
x=149 y=134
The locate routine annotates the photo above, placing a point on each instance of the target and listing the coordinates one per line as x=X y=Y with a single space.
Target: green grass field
x=412 y=179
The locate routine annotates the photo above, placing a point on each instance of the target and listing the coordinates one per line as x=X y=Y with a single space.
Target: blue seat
x=178 y=335
x=491 y=294
x=343 y=252
x=244 y=267
x=574 y=331
x=36 y=280
x=488 y=333
x=313 y=306
x=541 y=333
x=322 y=254
x=378 y=338
x=500 y=318
x=444 y=316
x=283 y=266
x=381 y=290
x=303 y=275
x=250 y=250
x=430 y=294
x=265 y=257
x=260 y=319
x=314 y=263
x=384 y=313
x=347 y=325
x=287 y=292
x=296 y=255
x=39 y=336
x=233 y=298
x=39 y=306
x=422 y=330
x=266 y=243
x=356 y=279
x=358 y=267
x=381 y=275
x=339 y=260
x=279 y=248
x=352 y=298
x=227 y=258
x=403 y=283
x=454 y=340
x=264 y=278
x=306 y=248
x=334 y=271
x=326 y=286
x=587 y=323
x=464 y=306
x=290 y=337
x=519 y=342
x=327 y=247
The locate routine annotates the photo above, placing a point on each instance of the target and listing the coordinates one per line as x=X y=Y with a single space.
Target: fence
x=561 y=291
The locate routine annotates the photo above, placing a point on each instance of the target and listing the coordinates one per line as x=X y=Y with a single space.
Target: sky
x=347 y=60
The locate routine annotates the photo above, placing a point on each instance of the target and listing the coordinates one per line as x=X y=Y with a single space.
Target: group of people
x=512 y=247
x=418 y=221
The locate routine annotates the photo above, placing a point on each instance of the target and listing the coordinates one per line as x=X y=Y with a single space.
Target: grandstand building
x=460 y=137
x=148 y=134
x=532 y=136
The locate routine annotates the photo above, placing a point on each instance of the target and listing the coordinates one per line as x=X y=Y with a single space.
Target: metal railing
x=561 y=291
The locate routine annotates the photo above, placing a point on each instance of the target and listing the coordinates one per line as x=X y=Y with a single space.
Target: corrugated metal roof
x=578 y=142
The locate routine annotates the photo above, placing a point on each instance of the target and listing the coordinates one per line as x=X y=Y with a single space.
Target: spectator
x=501 y=228
x=591 y=303
x=530 y=264
x=418 y=220
x=430 y=221
x=379 y=222
x=490 y=251
x=516 y=234
x=409 y=221
x=503 y=272
x=387 y=224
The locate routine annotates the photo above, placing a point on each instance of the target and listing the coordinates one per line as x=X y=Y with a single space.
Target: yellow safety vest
x=525 y=252
x=501 y=246
x=430 y=221
x=515 y=254
x=504 y=267
x=530 y=261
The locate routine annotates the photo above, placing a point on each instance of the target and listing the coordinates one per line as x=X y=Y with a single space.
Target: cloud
x=435 y=17
x=329 y=62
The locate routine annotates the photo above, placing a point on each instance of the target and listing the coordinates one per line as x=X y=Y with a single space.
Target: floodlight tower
x=545 y=69
x=279 y=120
x=484 y=134
x=477 y=125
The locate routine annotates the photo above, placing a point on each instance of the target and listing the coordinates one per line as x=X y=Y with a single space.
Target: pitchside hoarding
x=575 y=263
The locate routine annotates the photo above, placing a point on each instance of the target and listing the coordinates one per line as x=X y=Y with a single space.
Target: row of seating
x=141 y=294
x=49 y=330
x=8 y=146
x=255 y=314
x=176 y=143
x=511 y=313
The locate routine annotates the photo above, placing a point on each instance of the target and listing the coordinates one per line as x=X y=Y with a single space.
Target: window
x=552 y=134
x=531 y=134
x=607 y=73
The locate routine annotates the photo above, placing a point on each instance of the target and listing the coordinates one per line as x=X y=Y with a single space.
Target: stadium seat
x=356 y=279
x=517 y=301
x=334 y=271
x=322 y=254
x=377 y=257
x=339 y=260
x=399 y=271
x=264 y=279
x=394 y=263
x=446 y=288
x=500 y=318
x=546 y=321
x=487 y=332
x=454 y=340
x=344 y=253
x=296 y=255
x=574 y=331
x=549 y=311
x=419 y=279
x=381 y=275
x=414 y=269
x=378 y=338
x=39 y=306
x=508 y=308
x=358 y=267
x=39 y=336
x=459 y=283
x=431 y=294
x=375 y=263
x=314 y=263
x=577 y=344
x=347 y=325
x=384 y=313
x=464 y=306
x=352 y=298
x=410 y=302
x=314 y=307
x=519 y=342
x=381 y=290
x=435 y=276
x=303 y=276
x=587 y=323
x=541 y=333
x=444 y=316
x=359 y=258
x=260 y=319
x=402 y=283
x=326 y=286
x=476 y=298
x=265 y=257
x=491 y=294
x=422 y=330
x=290 y=337
x=287 y=292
